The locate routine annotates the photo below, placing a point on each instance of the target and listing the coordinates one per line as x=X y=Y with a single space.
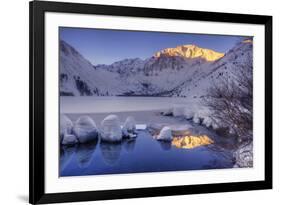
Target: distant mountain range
x=184 y=71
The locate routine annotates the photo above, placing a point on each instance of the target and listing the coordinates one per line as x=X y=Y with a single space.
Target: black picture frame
x=37 y=194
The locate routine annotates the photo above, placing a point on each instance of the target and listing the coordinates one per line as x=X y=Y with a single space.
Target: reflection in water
x=66 y=153
x=110 y=152
x=84 y=154
x=165 y=145
x=144 y=154
x=129 y=144
x=191 y=141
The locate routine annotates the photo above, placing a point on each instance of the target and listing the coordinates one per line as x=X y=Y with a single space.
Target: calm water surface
x=201 y=149
x=144 y=154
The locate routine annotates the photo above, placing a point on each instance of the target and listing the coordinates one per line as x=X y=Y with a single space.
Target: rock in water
x=69 y=139
x=168 y=112
x=244 y=155
x=196 y=119
x=188 y=113
x=66 y=126
x=165 y=134
x=178 y=110
x=111 y=129
x=207 y=122
x=129 y=128
x=85 y=129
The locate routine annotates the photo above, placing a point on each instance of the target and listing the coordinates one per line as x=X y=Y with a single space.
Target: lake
x=195 y=148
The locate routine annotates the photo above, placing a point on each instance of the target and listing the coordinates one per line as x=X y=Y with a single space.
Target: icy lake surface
x=199 y=149
x=117 y=104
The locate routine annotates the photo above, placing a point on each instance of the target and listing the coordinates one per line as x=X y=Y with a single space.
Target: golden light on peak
x=191 y=141
x=190 y=51
x=247 y=41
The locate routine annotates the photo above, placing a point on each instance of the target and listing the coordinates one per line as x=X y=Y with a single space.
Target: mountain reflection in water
x=145 y=154
x=191 y=141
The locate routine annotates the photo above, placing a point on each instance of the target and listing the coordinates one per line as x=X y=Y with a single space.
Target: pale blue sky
x=107 y=46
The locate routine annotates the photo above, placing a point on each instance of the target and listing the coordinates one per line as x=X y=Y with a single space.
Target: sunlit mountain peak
x=190 y=51
x=247 y=41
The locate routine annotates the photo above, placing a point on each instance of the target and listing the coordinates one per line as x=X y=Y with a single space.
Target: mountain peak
x=248 y=41
x=190 y=51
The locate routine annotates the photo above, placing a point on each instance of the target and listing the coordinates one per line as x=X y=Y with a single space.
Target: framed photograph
x=141 y=102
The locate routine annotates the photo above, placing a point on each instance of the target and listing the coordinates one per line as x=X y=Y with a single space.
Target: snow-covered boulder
x=215 y=125
x=188 y=113
x=167 y=112
x=207 y=121
x=196 y=119
x=202 y=115
x=69 y=139
x=178 y=110
x=165 y=134
x=85 y=129
x=244 y=155
x=180 y=130
x=129 y=128
x=66 y=126
x=111 y=129
x=129 y=134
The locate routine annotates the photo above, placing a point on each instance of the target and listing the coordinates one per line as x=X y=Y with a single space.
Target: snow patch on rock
x=196 y=118
x=168 y=112
x=66 y=126
x=129 y=127
x=207 y=121
x=165 y=134
x=178 y=110
x=188 y=113
x=69 y=139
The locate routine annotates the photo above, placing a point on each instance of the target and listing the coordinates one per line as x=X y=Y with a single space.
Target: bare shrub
x=231 y=101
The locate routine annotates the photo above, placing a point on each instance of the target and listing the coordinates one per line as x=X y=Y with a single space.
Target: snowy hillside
x=240 y=55
x=79 y=77
x=185 y=71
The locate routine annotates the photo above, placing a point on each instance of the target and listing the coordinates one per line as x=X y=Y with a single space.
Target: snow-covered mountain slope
x=79 y=77
x=240 y=55
x=185 y=71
